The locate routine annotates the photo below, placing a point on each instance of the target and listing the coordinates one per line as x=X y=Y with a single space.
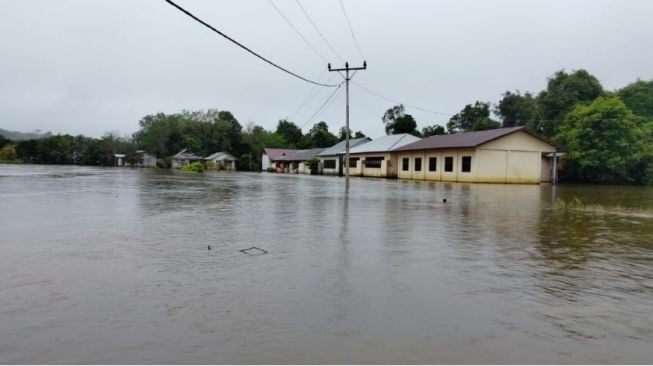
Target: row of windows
x=433 y=164
x=353 y=163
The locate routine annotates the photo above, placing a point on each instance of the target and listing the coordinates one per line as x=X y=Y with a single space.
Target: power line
x=351 y=30
x=243 y=46
x=310 y=95
x=327 y=101
x=397 y=102
x=318 y=31
x=298 y=32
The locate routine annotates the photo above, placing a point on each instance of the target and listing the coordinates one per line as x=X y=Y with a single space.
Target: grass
x=598 y=209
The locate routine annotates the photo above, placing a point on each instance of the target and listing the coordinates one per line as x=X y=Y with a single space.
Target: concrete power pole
x=346 y=69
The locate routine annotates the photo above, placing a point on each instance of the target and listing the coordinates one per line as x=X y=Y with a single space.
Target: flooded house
x=376 y=158
x=504 y=155
x=331 y=159
x=296 y=162
x=184 y=157
x=271 y=156
x=221 y=160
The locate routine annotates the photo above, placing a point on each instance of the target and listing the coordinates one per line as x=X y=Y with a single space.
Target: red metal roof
x=276 y=154
x=465 y=140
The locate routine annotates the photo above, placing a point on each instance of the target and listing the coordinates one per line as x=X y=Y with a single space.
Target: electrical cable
x=351 y=30
x=397 y=102
x=298 y=32
x=244 y=47
x=329 y=99
x=318 y=31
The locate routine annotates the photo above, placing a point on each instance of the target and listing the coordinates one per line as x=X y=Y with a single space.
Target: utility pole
x=346 y=69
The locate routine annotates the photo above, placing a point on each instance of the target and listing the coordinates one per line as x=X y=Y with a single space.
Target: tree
x=319 y=136
x=433 y=130
x=516 y=109
x=397 y=121
x=8 y=153
x=290 y=132
x=4 y=141
x=605 y=144
x=564 y=91
x=472 y=118
x=342 y=134
x=638 y=96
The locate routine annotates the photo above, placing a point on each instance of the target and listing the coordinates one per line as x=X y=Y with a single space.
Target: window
x=433 y=164
x=448 y=164
x=330 y=164
x=353 y=162
x=373 y=162
x=404 y=164
x=418 y=164
x=467 y=164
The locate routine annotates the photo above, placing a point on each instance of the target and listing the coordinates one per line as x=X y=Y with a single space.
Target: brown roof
x=465 y=140
x=276 y=154
x=301 y=155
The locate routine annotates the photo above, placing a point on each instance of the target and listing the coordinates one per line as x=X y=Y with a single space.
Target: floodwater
x=112 y=266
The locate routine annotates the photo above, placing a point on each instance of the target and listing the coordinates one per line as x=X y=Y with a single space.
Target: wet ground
x=112 y=266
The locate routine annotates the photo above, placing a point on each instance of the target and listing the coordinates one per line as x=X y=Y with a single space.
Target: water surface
x=112 y=266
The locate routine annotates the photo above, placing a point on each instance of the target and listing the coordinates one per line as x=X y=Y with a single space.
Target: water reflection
x=387 y=274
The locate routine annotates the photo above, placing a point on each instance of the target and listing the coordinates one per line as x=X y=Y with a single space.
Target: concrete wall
x=516 y=158
x=456 y=175
x=388 y=167
x=265 y=162
x=330 y=171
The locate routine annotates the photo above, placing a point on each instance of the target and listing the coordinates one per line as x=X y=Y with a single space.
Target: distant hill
x=19 y=136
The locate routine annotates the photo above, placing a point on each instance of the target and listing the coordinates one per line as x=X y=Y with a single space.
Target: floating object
x=209 y=247
x=254 y=251
x=444 y=200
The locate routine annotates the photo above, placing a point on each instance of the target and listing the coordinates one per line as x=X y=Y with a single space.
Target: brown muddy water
x=112 y=266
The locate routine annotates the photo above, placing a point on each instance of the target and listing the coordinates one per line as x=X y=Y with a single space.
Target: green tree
x=564 y=91
x=4 y=141
x=354 y=135
x=397 y=121
x=290 y=132
x=638 y=96
x=433 y=130
x=516 y=109
x=319 y=136
x=472 y=118
x=605 y=144
x=8 y=153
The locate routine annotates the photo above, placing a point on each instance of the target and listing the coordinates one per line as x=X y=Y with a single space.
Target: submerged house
x=331 y=159
x=184 y=157
x=271 y=156
x=376 y=158
x=222 y=160
x=295 y=162
x=504 y=155
x=142 y=159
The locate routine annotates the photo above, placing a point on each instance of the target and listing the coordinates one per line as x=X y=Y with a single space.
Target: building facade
x=505 y=155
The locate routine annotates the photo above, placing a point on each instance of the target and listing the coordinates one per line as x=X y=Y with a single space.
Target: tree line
x=607 y=135
x=202 y=132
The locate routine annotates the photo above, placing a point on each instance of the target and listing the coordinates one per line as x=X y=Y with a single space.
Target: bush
x=165 y=163
x=271 y=169
x=193 y=167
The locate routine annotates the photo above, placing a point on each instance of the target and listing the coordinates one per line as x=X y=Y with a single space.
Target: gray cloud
x=94 y=66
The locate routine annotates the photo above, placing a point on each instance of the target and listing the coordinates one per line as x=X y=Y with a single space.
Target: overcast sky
x=88 y=67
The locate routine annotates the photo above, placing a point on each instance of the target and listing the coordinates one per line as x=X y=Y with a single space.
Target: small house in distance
x=271 y=156
x=331 y=159
x=295 y=162
x=504 y=155
x=376 y=158
x=221 y=161
x=184 y=157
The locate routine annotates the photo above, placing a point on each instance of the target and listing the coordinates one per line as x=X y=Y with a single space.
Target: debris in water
x=444 y=200
x=209 y=247
x=254 y=251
